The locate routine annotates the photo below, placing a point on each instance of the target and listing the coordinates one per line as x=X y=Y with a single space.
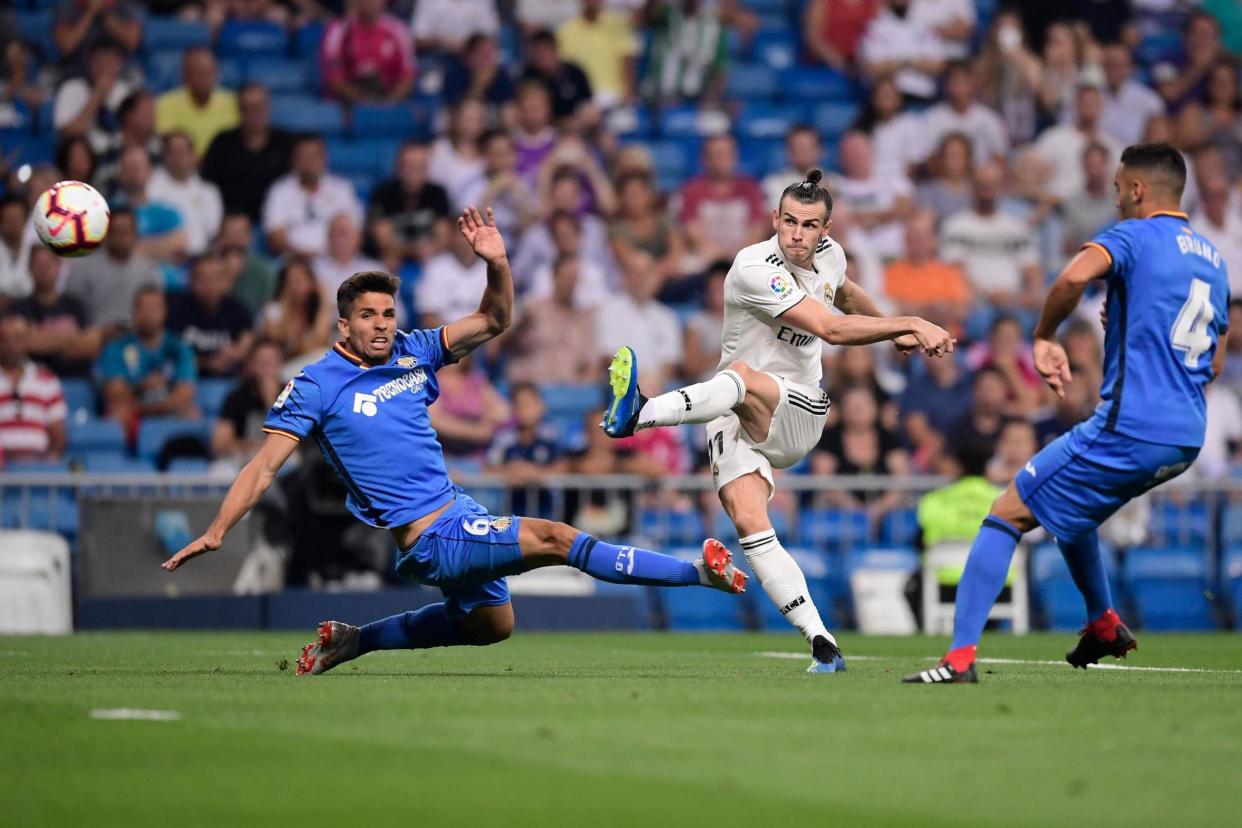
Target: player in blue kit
x=365 y=404
x=1166 y=324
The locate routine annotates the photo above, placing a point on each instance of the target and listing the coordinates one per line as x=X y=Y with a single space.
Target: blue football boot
x=624 y=398
x=825 y=657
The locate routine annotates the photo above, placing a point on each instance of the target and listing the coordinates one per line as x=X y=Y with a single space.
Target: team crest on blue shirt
x=284 y=395
x=500 y=524
x=407 y=361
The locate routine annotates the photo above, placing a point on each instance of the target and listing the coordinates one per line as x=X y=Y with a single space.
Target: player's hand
x=1053 y=365
x=483 y=236
x=933 y=339
x=906 y=344
x=205 y=543
x=1104 y=316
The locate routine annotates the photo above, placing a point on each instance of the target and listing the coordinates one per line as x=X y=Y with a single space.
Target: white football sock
x=698 y=403
x=784 y=583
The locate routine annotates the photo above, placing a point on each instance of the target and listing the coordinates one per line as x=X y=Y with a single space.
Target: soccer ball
x=71 y=218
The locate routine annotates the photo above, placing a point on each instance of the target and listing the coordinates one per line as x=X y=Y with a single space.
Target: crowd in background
x=979 y=158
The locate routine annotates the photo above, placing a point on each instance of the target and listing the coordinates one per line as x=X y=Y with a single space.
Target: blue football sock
x=1087 y=566
x=430 y=626
x=984 y=578
x=629 y=564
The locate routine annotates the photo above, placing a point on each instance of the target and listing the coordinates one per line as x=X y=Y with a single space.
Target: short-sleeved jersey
x=760 y=287
x=1168 y=301
x=373 y=427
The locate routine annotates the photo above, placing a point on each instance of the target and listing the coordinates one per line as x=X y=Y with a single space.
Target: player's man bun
x=808 y=191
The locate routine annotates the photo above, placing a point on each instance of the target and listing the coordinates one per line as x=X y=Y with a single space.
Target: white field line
x=135 y=714
x=851 y=657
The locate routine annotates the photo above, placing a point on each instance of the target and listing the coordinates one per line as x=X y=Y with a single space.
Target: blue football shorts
x=1078 y=480
x=466 y=553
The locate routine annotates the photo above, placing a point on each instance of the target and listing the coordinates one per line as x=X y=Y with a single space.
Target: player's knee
x=742 y=370
x=494 y=633
x=550 y=536
x=490 y=625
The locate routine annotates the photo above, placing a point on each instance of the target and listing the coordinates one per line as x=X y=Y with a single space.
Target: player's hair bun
x=813 y=178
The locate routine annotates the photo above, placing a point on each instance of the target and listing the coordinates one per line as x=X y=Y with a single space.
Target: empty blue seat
x=669 y=158
x=833 y=529
x=351 y=157
x=210 y=395
x=901 y=558
x=834 y=119
x=155 y=432
x=702 y=610
x=305 y=114
x=79 y=398
x=1053 y=589
x=306 y=39
x=170 y=33
x=751 y=81
x=691 y=122
x=24 y=146
x=760 y=156
x=630 y=122
x=766 y=120
x=1179 y=524
x=187 y=465
x=900 y=527
x=281 y=75
x=364 y=183
x=571 y=400
x=40 y=508
x=1168 y=586
x=666 y=527
x=105 y=462
x=95 y=435
x=1159 y=46
x=776 y=48
x=1231 y=526
x=816 y=83
x=1231 y=582
x=35 y=26
x=163 y=69
x=252 y=37
x=380 y=121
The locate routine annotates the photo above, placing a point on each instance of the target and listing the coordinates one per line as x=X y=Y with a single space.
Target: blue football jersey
x=372 y=425
x=1168 y=306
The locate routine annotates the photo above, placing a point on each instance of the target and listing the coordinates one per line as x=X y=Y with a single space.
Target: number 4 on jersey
x=1190 y=330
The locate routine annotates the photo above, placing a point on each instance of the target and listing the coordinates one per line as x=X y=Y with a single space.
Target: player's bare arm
x=816 y=319
x=1063 y=297
x=1218 y=359
x=495 y=312
x=245 y=492
x=852 y=299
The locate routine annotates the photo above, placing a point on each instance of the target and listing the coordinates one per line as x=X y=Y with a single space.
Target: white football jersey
x=760 y=287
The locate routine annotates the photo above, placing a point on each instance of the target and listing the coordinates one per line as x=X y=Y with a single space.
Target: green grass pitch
x=601 y=730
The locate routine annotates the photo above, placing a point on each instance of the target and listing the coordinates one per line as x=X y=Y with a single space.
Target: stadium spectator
x=953 y=21
x=367 y=56
x=641 y=223
x=408 y=214
x=218 y=12
x=445 y=25
x=476 y=71
x=149 y=372
x=1229 y=15
x=137 y=118
x=299 y=315
x=571 y=178
x=921 y=283
x=456 y=161
x=469 y=410
x=875 y=204
x=32 y=406
x=14 y=252
x=343 y=256
x=22 y=83
x=1215 y=118
x=553 y=340
x=565 y=80
x=1079 y=401
x=859 y=444
x=1060 y=74
x=209 y=320
x=527 y=451
x=993 y=248
x=250 y=274
x=1009 y=74
x=722 y=210
x=1222 y=438
x=1093 y=208
x=1202 y=49
x=534 y=16
x=832 y=30
x=1127 y=104
x=1006 y=350
x=949 y=187
x=58 y=336
x=1030 y=201
x=80 y=24
x=634 y=315
x=688 y=53
x=161 y=229
x=897 y=43
x=705 y=327
x=1015 y=446
x=803 y=150
x=1221 y=222
x=106 y=282
x=987 y=413
x=238 y=433
x=604 y=44
x=533 y=135
x=565 y=234
x=1063 y=145
x=509 y=195
x=299 y=205
x=178 y=183
x=88 y=105
x=451 y=284
x=199 y=106
x=539 y=245
x=933 y=403
x=245 y=161
x=76 y=160
x=897 y=137
x=961 y=112
x=856 y=368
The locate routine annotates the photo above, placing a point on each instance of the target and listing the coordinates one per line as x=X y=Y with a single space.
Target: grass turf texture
x=599 y=730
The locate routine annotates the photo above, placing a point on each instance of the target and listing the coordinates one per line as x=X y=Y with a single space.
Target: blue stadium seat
x=834 y=119
x=1168 y=586
x=364 y=183
x=155 y=432
x=765 y=120
x=41 y=508
x=281 y=75
x=901 y=558
x=1231 y=582
x=1159 y=46
x=351 y=157
x=630 y=122
x=833 y=529
x=79 y=399
x=776 y=48
x=751 y=81
x=162 y=69
x=760 y=156
x=1053 y=589
x=1231 y=526
x=95 y=435
x=900 y=527
x=306 y=39
x=702 y=610
x=1179 y=524
x=691 y=122
x=816 y=83
x=35 y=26
x=187 y=465
x=301 y=113
x=666 y=527
x=381 y=121
x=170 y=33
x=773 y=7
x=252 y=37
x=211 y=394
x=23 y=147
x=113 y=463
x=571 y=400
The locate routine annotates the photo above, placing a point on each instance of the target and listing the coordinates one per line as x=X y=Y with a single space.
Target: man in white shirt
x=451 y=284
x=178 y=183
x=636 y=316
x=343 y=257
x=896 y=43
x=444 y=25
x=1221 y=222
x=299 y=205
x=875 y=204
x=953 y=21
x=1127 y=104
x=1063 y=145
x=993 y=248
x=962 y=112
x=803 y=150
x=15 y=280
x=87 y=106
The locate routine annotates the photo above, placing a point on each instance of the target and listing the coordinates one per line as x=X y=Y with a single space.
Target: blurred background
x=257 y=152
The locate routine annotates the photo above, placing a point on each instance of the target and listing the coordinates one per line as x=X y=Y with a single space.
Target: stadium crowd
x=628 y=149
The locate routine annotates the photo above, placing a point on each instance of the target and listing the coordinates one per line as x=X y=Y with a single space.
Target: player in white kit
x=765 y=408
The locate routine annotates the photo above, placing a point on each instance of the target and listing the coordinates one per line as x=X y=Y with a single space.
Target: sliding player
x=765 y=408
x=1167 y=320
x=365 y=404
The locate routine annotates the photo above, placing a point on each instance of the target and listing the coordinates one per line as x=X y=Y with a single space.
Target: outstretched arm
x=1064 y=295
x=246 y=490
x=814 y=318
x=852 y=299
x=495 y=311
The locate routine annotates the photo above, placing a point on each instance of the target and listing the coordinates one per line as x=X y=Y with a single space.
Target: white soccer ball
x=71 y=218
